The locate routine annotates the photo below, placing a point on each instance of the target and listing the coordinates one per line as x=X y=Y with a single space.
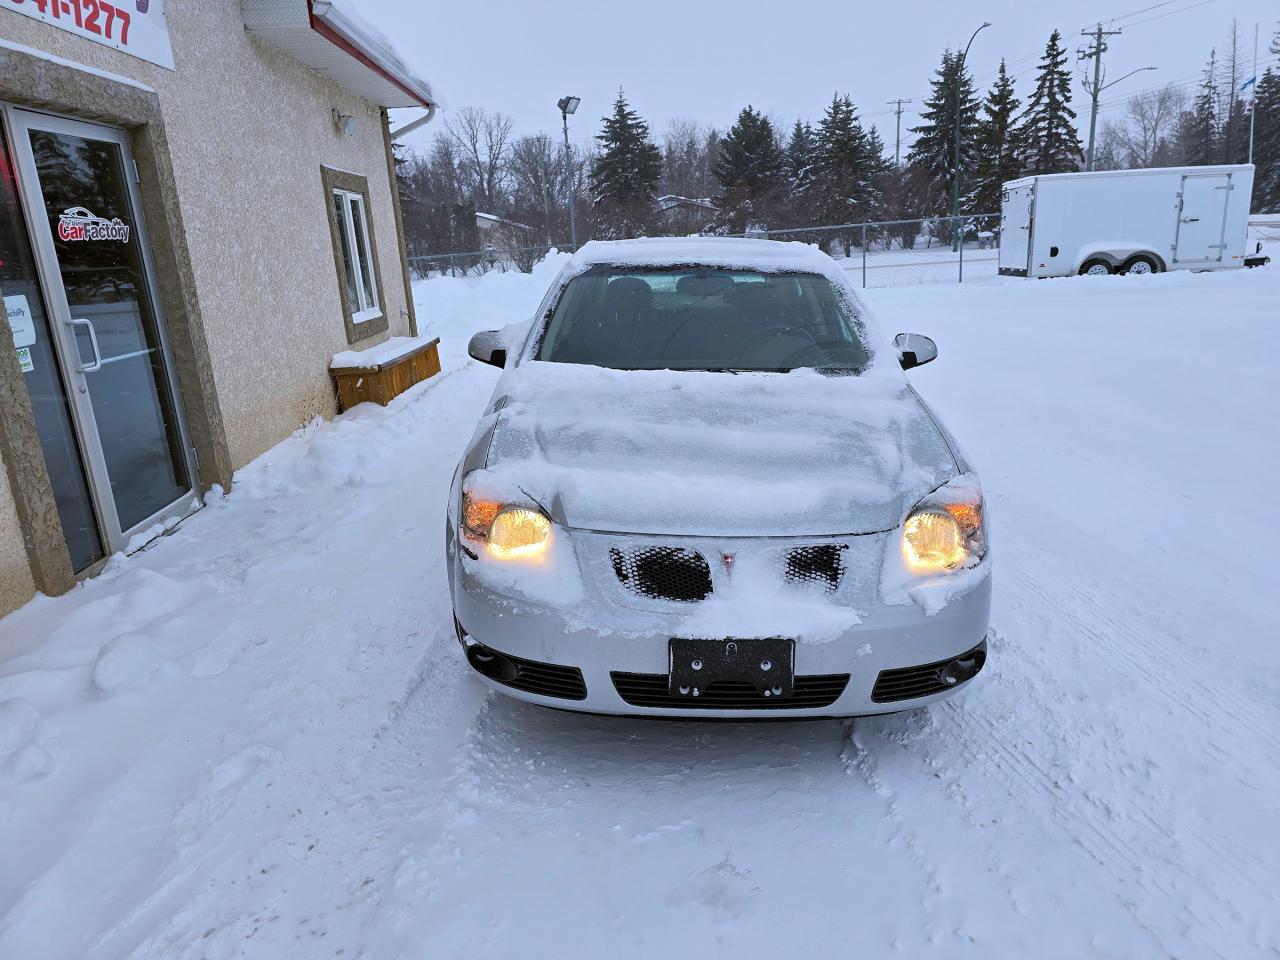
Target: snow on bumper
x=845 y=630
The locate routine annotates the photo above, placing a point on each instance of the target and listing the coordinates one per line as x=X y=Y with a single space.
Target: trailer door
x=1202 y=218
x=1015 y=228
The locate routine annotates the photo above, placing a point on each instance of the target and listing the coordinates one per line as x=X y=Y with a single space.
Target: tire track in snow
x=1181 y=689
x=1023 y=776
x=1104 y=842
x=855 y=756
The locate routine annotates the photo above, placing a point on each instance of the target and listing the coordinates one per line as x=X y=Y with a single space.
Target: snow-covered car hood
x=712 y=454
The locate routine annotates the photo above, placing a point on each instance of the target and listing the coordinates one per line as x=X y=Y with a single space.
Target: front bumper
x=621 y=660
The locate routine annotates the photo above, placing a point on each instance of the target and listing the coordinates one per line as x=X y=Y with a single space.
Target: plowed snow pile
x=257 y=737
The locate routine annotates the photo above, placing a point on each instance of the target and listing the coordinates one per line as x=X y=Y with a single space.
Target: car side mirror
x=487 y=346
x=915 y=350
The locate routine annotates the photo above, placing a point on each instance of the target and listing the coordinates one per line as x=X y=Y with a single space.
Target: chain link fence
x=479 y=262
x=883 y=253
x=894 y=253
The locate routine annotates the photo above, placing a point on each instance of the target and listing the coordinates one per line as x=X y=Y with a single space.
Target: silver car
x=704 y=488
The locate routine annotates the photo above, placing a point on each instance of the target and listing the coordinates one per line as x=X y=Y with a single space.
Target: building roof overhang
x=331 y=38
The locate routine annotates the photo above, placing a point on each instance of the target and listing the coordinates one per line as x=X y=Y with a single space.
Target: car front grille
x=820 y=565
x=531 y=676
x=907 y=683
x=663 y=573
x=548 y=679
x=808 y=692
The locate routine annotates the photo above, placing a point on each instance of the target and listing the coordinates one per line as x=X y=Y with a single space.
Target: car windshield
x=701 y=318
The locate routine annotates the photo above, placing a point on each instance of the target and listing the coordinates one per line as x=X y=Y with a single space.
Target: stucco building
x=197 y=210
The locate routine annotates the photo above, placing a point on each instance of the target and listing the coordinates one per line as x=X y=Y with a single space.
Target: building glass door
x=38 y=359
x=83 y=213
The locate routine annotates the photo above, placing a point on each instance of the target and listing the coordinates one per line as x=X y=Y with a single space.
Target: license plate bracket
x=767 y=664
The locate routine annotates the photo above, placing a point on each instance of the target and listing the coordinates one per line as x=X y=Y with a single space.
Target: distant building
x=682 y=215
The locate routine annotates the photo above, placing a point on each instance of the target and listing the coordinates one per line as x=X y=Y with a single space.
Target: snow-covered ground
x=921 y=265
x=257 y=737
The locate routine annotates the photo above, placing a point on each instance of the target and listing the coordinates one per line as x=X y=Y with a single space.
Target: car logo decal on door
x=78 y=224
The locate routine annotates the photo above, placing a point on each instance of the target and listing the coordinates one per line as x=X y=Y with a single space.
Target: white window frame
x=362 y=310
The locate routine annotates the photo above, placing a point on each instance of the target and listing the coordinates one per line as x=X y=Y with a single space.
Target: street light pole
x=1096 y=91
x=955 y=174
x=567 y=106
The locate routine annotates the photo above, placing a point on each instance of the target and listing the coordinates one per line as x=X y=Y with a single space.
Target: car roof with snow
x=772 y=256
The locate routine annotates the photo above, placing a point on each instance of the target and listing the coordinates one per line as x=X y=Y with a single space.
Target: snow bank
x=454 y=308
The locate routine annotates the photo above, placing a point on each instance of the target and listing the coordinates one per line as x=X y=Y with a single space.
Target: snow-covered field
x=910 y=268
x=257 y=737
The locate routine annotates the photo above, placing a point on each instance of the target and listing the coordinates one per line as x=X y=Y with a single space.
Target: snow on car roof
x=766 y=255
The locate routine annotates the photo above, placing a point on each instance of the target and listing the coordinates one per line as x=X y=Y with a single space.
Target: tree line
x=1179 y=124
x=836 y=170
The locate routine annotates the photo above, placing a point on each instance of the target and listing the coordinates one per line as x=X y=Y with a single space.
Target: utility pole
x=1253 y=99
x=897 y=137
x=1094 y=52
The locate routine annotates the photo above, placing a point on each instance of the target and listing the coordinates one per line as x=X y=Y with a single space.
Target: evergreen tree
x=800 y=165
x=750 y=168
x=879 y=166
x=1046 y=131
x=844 y=168
x=625 y=174
x=1202 y=128
x=996 y=146
x=1266 y=143
x=933 y=155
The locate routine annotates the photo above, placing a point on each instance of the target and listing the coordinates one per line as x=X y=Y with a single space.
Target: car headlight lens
x=509 y=532
x=519 y=532
x=933 y=541
x=945 y=531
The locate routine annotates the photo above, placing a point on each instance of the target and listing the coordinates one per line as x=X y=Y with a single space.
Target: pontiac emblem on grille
x=727 y=560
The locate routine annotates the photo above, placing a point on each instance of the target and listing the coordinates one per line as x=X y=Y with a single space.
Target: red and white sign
x=77 y=224
x=136 y=27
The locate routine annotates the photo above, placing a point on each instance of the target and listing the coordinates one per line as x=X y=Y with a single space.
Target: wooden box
x=384 y=378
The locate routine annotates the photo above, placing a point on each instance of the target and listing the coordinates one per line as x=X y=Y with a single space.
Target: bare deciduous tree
x=540 y=181
x=688 y=150
x=1144 y=137
x=482 y=141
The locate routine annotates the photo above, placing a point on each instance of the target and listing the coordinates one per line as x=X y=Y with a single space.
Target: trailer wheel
x=1095 y=268
x=1140 y=264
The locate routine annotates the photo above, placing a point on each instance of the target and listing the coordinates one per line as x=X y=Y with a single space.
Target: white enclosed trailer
x=1125 y=221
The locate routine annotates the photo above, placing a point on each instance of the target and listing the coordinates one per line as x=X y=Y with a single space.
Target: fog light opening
x=962 y=668
x=491 y=663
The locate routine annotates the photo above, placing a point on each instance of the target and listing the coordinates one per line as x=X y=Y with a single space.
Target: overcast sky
x=706 y=59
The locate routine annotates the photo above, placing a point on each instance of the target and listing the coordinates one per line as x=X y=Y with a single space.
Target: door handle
x=1190 y=219
x=93 y=342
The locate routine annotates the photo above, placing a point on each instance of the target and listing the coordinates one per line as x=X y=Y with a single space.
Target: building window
x=355 y=253
x=353 y=237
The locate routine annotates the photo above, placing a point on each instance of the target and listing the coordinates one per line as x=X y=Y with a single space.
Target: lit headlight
x=519 y=532
x=509 y=532
x=945 y=530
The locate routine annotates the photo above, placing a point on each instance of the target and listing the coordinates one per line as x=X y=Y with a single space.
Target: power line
x=1172 y=12
x=1134 y=13
x=1181 y=83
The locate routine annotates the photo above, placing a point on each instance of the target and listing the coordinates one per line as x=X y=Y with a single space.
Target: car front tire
x=1096 y=268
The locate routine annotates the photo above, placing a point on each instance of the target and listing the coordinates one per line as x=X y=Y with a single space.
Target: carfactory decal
x=77 y=223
